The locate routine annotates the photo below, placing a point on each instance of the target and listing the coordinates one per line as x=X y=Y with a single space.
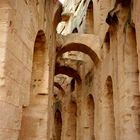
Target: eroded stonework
x=71 y=71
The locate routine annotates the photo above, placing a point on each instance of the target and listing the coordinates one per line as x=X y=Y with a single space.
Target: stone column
x=127 y=78
x=10 y=114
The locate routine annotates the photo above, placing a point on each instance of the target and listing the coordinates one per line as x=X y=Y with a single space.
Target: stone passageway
x=69 y=70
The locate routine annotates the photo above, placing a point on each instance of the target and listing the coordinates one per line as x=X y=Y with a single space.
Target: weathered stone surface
x=71 y=71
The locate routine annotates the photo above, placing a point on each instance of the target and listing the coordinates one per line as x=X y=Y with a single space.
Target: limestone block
x=8 y=134
x=10 y=117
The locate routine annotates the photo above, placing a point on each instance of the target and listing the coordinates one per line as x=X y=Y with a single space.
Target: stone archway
x=58 y=86
x=69 y=72
x=30 y=121
x=75 y=30
x=76 y=42
x=38 y=67
x=70 y=116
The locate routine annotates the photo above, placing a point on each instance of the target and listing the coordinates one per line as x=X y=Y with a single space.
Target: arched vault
x=86 y=43
x=68 y=71
x=57 y=85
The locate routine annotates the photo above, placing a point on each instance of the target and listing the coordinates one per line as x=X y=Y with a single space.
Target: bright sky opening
x=62 y=1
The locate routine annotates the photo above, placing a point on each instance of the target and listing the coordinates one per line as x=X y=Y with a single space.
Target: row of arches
x=38 y=69
x=94 y=54
x=75 y=45
x=108 y=127
x=36 y=86
x=70 y=131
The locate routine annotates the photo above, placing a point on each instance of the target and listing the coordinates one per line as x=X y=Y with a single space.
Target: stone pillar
x=128 y=87
x=130 y=114
x=10 y=114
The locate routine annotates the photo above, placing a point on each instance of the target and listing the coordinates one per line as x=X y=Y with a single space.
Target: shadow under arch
x=57 y=14
x=79 y=47
x=109 y=86
x=57 y=85
x=58 y=124
x=90 y=98
x=40 y=37
x=75 y=30
x=69 y=72
x=38 y=65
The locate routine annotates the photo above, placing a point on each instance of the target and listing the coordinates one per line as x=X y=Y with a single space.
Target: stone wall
x=110 y=87
x=21 y=22
x=69 y=72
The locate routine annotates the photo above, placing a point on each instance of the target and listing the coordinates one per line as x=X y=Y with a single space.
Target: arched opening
x=75 y=30
x=57 y=85
x=89 y=126
x=71 y=122
x=58 y=125
x=72 y=85
x=81 y=48
x=69 y=72
x=90 y=47
x=107 y=41
x=38 y=66
x=108 y=111
x=29 y=127
x=89 y=19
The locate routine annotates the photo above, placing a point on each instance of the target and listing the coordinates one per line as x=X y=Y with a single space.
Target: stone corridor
x=69 y=70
